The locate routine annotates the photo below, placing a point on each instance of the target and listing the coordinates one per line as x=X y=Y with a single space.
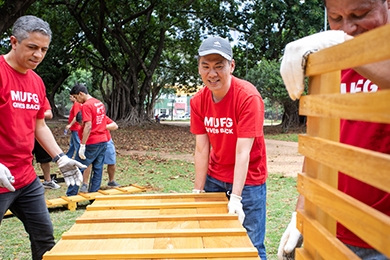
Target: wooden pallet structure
x=325 y=155
x=70 y=202
x=156 y=226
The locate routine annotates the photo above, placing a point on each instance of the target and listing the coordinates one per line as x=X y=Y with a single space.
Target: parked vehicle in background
x=185 y=116
x=163 y=116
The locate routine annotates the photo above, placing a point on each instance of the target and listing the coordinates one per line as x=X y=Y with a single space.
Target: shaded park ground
x=174 y=141
x=160 y=158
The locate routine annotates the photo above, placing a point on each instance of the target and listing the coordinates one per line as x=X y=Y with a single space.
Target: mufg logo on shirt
x=25 y=100
x=215 y=125
x=359 y=86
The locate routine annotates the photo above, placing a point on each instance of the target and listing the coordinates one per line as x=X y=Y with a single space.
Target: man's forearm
x=240 y=173
x=243 y=149
x=377 y=73
x=201 y=168
x=201 y=158
x=86 y=132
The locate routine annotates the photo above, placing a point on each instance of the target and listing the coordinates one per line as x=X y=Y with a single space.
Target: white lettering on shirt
x=100 y=111
x=359 y=86
x=25 y=100
x=221 y=125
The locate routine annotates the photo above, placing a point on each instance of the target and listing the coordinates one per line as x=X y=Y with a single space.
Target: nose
x=349 y=27
x=39 y=54
x=212 y=72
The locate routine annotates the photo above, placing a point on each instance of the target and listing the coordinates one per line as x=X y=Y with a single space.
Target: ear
x=233 y=65
x=13 y=41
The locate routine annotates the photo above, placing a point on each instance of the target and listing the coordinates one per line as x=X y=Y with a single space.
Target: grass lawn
x=158 y=175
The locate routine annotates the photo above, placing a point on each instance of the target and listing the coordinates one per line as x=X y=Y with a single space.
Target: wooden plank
x=302 y=254
x=209 y=195
x=344 y=157
x=371 y=107
x=178 y=242
x=173 y=227
x=155 y=254
x=344 y=55
x=142 y=218
x=155 y=233
x=369 y=224
x=327 y=245
x=158 y=205
x=328 y=128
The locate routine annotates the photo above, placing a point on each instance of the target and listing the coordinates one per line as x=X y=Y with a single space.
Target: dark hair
x=79 y=117
x=28 y=24
x=78 y=88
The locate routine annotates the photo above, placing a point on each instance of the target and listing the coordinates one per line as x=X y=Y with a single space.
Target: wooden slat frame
x=212 y=195
x=166 y=205
x=225 y=253
x=368 y=223
x=344 y=157
x=197 y=217
x=325 y=156
x=157 y=226
x=328 y=246
x=199 y=232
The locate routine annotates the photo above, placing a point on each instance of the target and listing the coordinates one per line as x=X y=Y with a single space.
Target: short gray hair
x=27 y=24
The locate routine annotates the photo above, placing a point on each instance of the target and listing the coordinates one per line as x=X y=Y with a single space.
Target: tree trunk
x=291 y=116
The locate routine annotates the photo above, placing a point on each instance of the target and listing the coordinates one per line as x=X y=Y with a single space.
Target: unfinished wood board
x=166 y=226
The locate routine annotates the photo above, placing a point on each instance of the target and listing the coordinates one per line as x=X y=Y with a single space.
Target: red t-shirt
x=94 y=111
x=22 y=101
x=371 y=136
x=240 y=114
x=76 y=107
x=47 y=105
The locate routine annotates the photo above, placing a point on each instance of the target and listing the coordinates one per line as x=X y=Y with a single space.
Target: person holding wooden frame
x=347 y=19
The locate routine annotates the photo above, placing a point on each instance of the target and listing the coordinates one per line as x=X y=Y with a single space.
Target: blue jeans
x=29 y=205
x=367 y=253
x=254 y=206
x=74 y=144
x=94 y=154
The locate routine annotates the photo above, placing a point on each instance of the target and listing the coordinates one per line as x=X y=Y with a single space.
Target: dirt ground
x=283 y=157
x=174 y=141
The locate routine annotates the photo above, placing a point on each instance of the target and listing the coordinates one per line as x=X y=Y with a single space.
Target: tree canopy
x=134 y=49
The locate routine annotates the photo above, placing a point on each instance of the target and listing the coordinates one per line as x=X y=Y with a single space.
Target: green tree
x=137 y=42
x=266 y=77
x=10 y=10
x=269 y=26
x=63 y=56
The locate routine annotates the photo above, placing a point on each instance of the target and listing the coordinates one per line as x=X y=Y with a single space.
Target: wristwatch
x=58 y=156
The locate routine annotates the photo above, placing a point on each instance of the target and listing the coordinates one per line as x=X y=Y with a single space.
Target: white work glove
x=293 y=64
x=291 y=239
x=197 y=191
x=235 y=206
x=70 y=169
x=6 y=178
x=82 y=152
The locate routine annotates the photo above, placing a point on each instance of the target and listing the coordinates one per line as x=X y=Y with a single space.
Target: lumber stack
x=70 y=202
x=156 y=226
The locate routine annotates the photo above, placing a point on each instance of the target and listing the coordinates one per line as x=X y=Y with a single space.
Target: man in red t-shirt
x=227 y=118
x=109 y=156
x=22 y=102
x=93 y=143
x=347 y=18
x=73 y=127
